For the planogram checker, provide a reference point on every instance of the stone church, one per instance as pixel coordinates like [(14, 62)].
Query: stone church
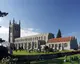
[(28, 42), (37, 42)]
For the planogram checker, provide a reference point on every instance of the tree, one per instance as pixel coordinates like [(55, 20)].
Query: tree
[(46, 48), (1, 40), (50, 49), (3, 52), (59, 34), (2, 14)]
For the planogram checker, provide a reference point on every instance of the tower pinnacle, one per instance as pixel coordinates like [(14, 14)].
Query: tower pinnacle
[(13, 20)]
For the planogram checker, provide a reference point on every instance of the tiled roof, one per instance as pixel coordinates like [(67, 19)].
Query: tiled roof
[(64, 39)]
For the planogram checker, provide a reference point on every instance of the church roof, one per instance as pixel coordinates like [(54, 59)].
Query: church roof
[(35, 35), (64, 39)]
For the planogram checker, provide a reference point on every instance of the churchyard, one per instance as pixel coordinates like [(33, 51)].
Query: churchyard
[(66, 59), (73, 59)]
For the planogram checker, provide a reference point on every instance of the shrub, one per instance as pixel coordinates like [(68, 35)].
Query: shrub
[(46, 48), (75, 49), (3, 52), (50, 50)]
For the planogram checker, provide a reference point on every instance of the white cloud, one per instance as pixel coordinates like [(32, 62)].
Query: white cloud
[(30, 29), (1, 19), (4, 32), (27, 32)]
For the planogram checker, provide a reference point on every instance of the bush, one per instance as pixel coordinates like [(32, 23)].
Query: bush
[(75, 49), (20, 48), (46, 48), (67, 60), (50, 50), (3, 52), (75, 58)]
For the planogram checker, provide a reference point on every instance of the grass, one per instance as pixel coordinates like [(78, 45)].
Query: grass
[(27, 53), (51, 61), (57, 60), (24, 52)]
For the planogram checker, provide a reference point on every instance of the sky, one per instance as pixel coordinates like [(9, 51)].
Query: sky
[(42, 16)]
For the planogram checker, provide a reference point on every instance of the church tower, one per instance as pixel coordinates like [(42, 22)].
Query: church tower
[(14, 31)]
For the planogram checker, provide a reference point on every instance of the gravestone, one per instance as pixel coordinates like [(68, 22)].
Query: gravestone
[(64, 60)]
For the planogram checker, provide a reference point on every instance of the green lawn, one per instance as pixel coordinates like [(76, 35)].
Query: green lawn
[(57, 60), (53, 61), (24, 52), (27, 53)]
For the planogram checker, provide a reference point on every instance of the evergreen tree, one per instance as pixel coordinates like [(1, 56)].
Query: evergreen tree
[(2, 14), (59, 34)]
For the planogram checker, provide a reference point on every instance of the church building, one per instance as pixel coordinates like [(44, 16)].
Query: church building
[(39, 40), (28, 42)]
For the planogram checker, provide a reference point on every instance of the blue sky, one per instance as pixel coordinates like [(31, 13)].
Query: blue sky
[(44, 16)]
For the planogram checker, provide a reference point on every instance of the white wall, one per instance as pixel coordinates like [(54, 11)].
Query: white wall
[(67, 48)]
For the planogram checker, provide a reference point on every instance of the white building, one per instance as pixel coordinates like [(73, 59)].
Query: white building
[(65, 43), (33, 42)]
